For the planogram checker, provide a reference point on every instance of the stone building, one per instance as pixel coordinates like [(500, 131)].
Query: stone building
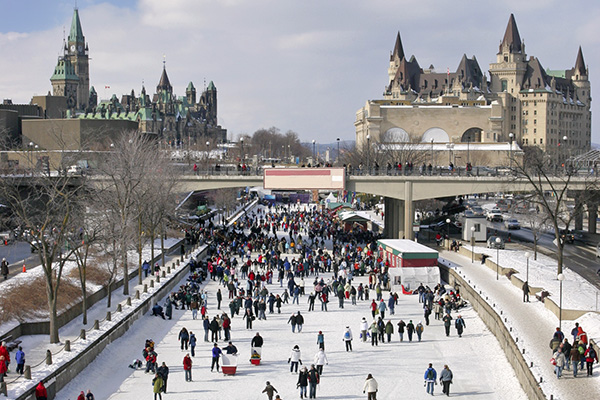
[(521, 103)]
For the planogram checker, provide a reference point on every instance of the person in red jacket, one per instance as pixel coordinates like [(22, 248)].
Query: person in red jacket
[(3, 369), (4, 352), (81, 396), (187, 367), (40, 392)]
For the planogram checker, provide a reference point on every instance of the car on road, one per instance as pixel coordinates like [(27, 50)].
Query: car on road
[(567, 236), (478, 211), (494, 243), (512, 223), (494, 215)]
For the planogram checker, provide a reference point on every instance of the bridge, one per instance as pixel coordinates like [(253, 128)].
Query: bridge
[(400, 191)]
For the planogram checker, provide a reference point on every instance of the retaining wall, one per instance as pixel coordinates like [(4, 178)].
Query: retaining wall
[(67, 372), (494, 323)]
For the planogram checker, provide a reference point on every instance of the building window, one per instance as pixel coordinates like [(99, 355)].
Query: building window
[(504, 85), (541, 141)]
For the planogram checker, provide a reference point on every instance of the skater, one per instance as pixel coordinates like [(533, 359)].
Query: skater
[(559, 362), (302, 382), (389, 330), (320, 360), (348, 339), (257, 340), (299, 321), (187, 367), (321, 340), (525, 292), (419, 330), (230, 349), (295, 358), (184, 338), (382, 307), (293, 321), (401, 326), (193, 344), (430, 378), (575, 358), (313, 379), (410, 329), (157, 384), (270, 390), (364, 327), (4, 268), (374, 333), (214, 330), (370, 387), (460, 325), (163, 372), (89, 395), (447, 318), (216, 353), (446, 380)]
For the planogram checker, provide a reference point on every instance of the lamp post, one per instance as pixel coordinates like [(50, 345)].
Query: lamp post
[(207, 155), (242, 148), (561, 278), (468, 145), (498, 242), (448, 225), (472, 243), (450, 146), (313, 142), (510, 140), (564, 155), (527, 255), (432, 152), (337, 158), (369, 154)]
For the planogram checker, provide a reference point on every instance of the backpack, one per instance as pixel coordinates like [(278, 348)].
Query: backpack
[(347, 335), (430, 374), (581, 349)]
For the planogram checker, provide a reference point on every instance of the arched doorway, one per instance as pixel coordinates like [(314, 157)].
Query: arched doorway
[(437, 135), (396, 135), (471, 135)]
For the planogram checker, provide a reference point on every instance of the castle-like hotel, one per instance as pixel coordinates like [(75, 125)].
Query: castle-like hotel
[(73, 109), (521, 104)]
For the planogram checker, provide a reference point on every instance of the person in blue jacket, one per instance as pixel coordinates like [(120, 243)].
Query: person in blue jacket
[(20, 360), (430, 378), (216, 353)]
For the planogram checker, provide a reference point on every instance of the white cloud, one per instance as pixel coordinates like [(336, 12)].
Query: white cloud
[(300, 65)]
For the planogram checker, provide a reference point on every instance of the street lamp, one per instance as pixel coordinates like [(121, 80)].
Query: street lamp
[(369, 154), (432, 152), (450, 146), (564, 155), (242, 145), (510, 140), (472, 243), (527, 255), (448, 225), (338, 153), (468, 145), (207, 155), (498, 242), (561, 278), (313, 142)]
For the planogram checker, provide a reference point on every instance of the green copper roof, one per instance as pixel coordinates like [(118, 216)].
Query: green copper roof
[(211, 86), (92, 90), (190, 87), (76, 34), (64, 70), (559, 73)]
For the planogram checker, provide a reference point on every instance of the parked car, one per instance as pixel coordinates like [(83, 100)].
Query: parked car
[(512, 223), (478, 211), (492, 243), (567, 236)]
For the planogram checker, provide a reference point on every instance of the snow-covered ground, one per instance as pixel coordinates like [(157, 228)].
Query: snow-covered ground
[(532, 323), (475, 359)]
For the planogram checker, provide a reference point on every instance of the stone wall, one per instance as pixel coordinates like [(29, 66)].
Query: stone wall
[(67, 372)]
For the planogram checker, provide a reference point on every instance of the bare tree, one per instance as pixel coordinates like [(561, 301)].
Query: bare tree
[(81, 241), (125, 172), (46, 208), (550, 191)]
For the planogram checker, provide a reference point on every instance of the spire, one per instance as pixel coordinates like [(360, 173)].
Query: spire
[(398, 49), (164, 83), (511, 37), (580, 64), (76, 34)]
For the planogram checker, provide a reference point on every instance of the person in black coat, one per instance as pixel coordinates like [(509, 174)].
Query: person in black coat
[(299, 321), (257, 341), (214, 330), (184, 338), (163, 372), (302, 382)]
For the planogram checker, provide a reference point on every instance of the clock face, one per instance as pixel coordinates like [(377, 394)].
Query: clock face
[(72, 47)]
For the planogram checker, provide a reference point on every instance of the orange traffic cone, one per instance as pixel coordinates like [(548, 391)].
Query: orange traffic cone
[(24, 268)]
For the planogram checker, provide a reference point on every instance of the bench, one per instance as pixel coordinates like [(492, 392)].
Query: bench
[(10, 343)]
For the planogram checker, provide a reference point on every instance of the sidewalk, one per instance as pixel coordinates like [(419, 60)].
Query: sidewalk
[(531, 323)]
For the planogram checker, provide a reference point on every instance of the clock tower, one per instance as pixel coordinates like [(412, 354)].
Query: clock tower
[(76, 53)]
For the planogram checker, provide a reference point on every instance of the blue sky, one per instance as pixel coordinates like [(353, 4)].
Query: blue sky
[(303, 65)]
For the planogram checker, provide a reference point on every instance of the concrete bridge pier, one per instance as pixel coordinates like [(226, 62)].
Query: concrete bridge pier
[(578, 217), (399, 216), (592, 217)]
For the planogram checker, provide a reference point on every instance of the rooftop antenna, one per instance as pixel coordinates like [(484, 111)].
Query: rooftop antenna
[(205, 84), (164, 61)]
